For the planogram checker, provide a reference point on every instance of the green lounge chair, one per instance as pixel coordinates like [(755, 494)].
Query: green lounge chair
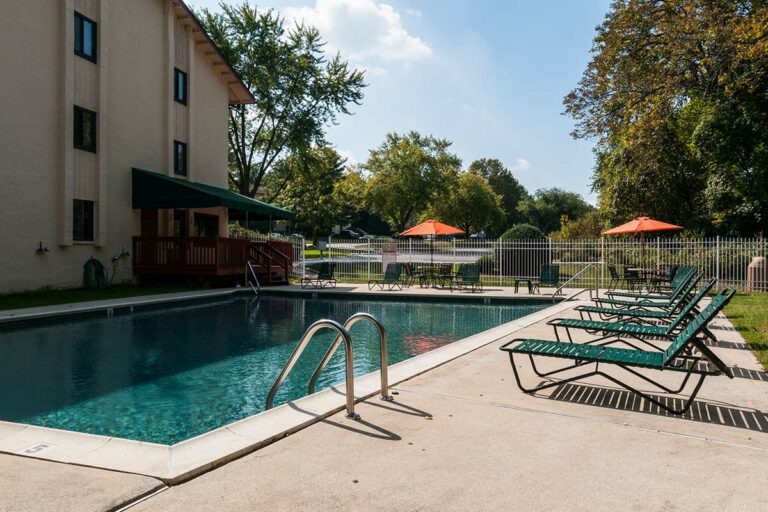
[(678, 357), (640, 309), (391, 278), (549, 275), (668, 304), (468, 277), (325, 277), (637, 331), (682, 276), (445, 274)]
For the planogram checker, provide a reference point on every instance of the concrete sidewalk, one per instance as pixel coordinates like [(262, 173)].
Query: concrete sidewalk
[(463, 437)]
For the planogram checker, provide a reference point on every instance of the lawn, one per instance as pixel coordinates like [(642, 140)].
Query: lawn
[(749, 314), (52, 297)]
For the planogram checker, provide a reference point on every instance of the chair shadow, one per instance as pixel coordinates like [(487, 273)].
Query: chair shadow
[(735, 345), (383, 434), (700, 411), (743, 373)]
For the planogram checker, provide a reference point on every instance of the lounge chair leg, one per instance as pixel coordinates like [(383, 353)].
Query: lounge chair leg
[(543, 386), (648, 397)]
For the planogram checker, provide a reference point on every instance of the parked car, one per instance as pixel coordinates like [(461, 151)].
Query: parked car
[(349, 233)]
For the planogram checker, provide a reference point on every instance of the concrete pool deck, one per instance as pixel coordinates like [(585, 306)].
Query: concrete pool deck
[(463, 437)]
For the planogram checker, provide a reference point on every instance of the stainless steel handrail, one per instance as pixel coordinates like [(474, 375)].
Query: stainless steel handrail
[(335, 345), (577, 274), (249, 268), (349, 369)]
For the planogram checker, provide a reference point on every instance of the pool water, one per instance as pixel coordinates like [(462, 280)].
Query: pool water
[(168, 375)]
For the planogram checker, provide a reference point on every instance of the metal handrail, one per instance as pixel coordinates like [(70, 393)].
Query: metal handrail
[(577, 274), (349, 369), (335, 345), (249, 268)]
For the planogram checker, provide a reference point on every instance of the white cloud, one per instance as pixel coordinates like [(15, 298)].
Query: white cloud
[(365, 32), (349, 155), (521, 164), (413, 12)]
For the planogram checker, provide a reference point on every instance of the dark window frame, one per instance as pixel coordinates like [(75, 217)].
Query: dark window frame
[(180, 165), (80, 35), (87, 218), (201, 219), (77, 130), (176, 97)]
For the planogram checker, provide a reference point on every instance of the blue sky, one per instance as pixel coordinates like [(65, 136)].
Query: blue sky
[(488, 75)]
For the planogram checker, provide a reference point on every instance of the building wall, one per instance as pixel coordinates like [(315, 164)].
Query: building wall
[(131, 89)]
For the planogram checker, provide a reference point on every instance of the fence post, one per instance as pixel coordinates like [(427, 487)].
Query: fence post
[(303, 257), (717, 261), (602, 259), (500, 259), (549, 243)]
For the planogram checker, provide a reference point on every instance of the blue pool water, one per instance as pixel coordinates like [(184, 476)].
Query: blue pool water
[(171, 374)]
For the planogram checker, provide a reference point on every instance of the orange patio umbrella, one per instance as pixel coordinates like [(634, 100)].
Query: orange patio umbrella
[(432, 228), (641, 225)]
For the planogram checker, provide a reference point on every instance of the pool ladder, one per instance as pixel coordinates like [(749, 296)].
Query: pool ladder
[(342, 336)]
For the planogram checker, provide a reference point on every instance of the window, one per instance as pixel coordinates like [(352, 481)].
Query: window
[(179, 86), (85, 37), (85, 129), (179, 158), (82, 221)]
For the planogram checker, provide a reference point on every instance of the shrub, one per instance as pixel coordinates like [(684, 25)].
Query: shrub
[(522, 232), (487, 265)]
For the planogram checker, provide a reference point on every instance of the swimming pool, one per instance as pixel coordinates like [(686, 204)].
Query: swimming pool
[(168, 375)]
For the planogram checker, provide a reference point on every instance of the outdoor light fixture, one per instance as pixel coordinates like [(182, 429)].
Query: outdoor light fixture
[(40, 249)]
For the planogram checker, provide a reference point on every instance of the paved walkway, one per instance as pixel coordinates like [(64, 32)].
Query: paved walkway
[(463, 437)]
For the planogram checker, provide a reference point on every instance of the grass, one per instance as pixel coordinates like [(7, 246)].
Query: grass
[(749, 314), (53, 297)]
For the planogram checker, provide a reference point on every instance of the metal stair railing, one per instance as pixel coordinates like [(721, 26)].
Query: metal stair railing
[(249, 270), (349, 368), (357, 317), (577, 274)]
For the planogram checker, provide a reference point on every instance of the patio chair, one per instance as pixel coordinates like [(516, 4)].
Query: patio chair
[(549, 275), (324, 277), (638, 331), (666, 279), (616, 278), (468, 277), (669, 304), (391, 278), (684, 275), (412, 274), (445, 274), (678, 357)]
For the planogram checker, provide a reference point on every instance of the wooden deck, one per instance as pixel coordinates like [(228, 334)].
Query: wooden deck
[(212, 257)]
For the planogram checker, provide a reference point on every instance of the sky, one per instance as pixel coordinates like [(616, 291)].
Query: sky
[(488, 75)]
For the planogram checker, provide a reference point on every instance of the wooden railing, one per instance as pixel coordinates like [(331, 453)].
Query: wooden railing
[(209, 256), (189, 255)]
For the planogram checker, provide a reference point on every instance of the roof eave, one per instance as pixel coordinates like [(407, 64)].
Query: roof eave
[(239, 94)]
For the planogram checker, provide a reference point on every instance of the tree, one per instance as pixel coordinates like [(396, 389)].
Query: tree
[(676, 96), (503, 182), (522, 232), (316, 192), (590, 225), (298, 90), (548, 207), (470, 205), (406, 174)]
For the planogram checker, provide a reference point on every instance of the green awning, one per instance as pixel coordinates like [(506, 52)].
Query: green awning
[(155, 190)]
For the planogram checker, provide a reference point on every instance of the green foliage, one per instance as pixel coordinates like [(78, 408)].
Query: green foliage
[(238, 231), (298, 89), (522, 232), (471, 204), (676, 95), (590, 225), (548, 207), (408, 172), (313, 184), (502, 182)]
